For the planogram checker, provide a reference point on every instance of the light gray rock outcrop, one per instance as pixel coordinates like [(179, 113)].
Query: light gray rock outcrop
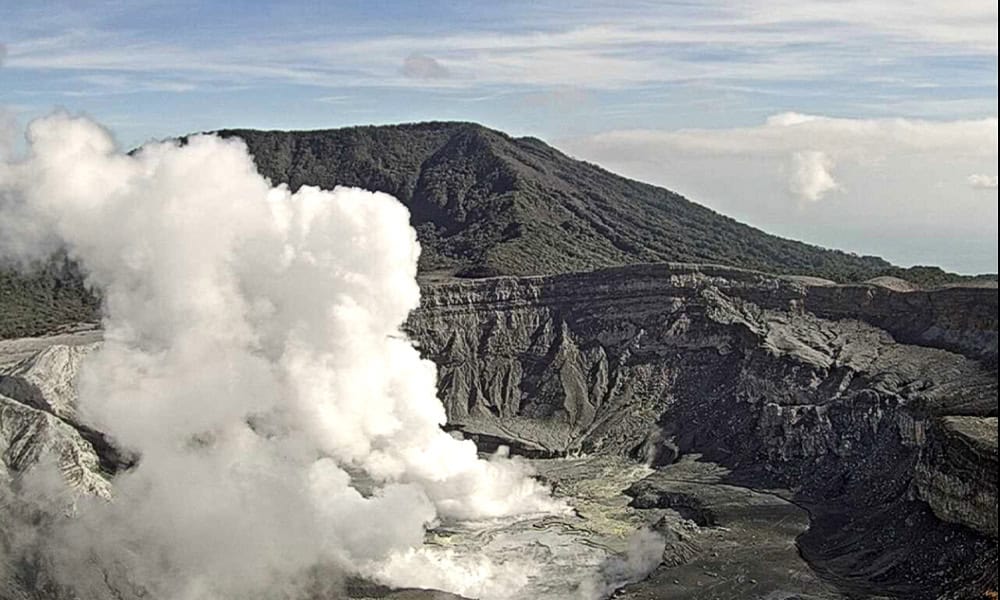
[(47, 379), (31, 438)]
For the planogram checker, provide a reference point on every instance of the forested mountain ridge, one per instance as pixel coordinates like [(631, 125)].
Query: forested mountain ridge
[(486, 204)]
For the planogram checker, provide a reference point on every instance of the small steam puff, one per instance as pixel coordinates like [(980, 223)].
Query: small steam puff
[(253, 356), (643, 553)]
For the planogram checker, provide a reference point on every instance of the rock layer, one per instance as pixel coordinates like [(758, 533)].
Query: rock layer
[(846, 395), (957, 472)]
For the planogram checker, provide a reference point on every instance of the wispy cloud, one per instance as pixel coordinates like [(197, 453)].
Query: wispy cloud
[(599, 48)]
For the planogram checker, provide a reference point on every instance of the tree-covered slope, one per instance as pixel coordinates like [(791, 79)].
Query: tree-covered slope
[(485, 204)]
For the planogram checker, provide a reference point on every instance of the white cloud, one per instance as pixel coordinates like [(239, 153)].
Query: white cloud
[(983, 182), (811, 177), (903, 189), (968, 24), (8, 132), (559, 98), (602, 46)]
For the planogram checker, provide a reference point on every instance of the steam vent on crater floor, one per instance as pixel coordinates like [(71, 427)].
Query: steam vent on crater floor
[(696, 409)]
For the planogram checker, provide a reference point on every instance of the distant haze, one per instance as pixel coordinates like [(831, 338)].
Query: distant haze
[(911, 191)]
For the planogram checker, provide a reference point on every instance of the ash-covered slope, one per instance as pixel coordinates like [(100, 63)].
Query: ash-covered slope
[(485, 203)]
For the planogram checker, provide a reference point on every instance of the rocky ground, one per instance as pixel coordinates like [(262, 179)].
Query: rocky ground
[(742, 544), (873, 408)]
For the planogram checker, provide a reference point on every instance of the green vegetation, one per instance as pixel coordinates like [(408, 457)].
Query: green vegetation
[(43, 298), (486, 204)]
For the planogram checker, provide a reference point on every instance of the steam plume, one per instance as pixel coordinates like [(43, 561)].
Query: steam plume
[(252, 359)]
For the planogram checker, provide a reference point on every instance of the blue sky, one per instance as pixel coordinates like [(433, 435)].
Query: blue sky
[(151, 69)]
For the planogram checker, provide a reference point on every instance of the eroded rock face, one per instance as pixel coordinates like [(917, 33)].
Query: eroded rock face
[(842, 394), (46, 380), (47, 459), (956, 318), (562, 354), (957, 472), (30, 438), (38, 420)]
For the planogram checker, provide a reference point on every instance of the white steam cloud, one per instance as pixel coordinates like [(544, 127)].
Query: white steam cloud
[(643, 553), (253, 360)]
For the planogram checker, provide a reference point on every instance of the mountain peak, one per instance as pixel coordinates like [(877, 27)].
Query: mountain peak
[(485, 203)]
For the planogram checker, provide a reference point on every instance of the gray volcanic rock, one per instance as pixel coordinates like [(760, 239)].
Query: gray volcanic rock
[(959, 318), (46, 380), (740, 542), (957, 472), (38, 424), (41, 445), (30, 438), (357, 589), (789, 383), (557, 357)]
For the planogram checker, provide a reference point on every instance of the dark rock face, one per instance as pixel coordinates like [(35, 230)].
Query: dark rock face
[(959, 319), (800, 386), (957, 472)]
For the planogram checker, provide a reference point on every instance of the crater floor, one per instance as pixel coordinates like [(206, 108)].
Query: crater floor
[(712, 539)]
